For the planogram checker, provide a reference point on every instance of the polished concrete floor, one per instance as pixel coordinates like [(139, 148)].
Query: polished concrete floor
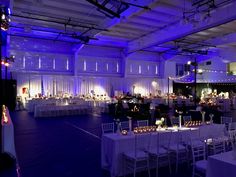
[(64, 146)]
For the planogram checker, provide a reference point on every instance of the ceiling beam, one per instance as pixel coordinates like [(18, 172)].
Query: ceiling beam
[(76, 7), (223, 40), (178, 30), (130, 12), (56, 12)]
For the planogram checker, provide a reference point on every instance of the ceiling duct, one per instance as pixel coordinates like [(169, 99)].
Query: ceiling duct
[(199, 3), (111, 8), (201, 10)]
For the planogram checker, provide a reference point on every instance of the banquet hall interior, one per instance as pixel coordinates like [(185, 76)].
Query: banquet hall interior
[(110, 88)]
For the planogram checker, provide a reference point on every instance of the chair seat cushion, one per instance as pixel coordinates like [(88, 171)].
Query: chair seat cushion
[(139, 154), (197, 143), (201, 165), (175, 147), (160, 151)]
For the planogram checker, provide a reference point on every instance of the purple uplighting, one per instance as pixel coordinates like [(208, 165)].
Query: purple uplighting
[(114, 88)]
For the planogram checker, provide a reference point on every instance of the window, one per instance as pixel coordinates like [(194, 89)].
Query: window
[(139, 69), (24, 62), (96, 66), (54, 63), (85, 66), (67, 64), (107, 66), (156, 71), (117, 67), (39, 62)]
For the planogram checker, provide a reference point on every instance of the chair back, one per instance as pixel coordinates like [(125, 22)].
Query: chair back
[(187, 118), (175, 121), (218, 146), (185, 136), (124, 125), (232, 126), (226, 120), (164, 139), (159, 140), (142, 123), (232, 138), (141, 143), (198, 153), (107, 127)]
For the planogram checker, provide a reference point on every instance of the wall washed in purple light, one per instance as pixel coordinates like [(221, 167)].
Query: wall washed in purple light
[(103, 69), (106, 67)]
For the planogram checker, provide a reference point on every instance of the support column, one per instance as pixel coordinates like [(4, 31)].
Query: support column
[(1, 85), (195, 82)]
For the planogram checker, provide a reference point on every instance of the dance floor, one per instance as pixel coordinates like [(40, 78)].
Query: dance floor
[(64, 146)]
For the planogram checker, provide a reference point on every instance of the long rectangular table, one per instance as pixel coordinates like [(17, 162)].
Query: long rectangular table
[(222, 165), (114, 145)]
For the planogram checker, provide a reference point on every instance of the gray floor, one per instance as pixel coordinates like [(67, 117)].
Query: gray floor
[(66, 146)]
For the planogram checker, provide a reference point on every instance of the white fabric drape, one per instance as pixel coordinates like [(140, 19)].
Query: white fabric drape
[(58, 85)]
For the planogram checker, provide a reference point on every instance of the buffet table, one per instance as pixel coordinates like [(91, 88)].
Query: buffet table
[(221, 165), (8, 142), (114, 145)]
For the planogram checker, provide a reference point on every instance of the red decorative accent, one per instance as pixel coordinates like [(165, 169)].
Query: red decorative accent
[(24, 90)]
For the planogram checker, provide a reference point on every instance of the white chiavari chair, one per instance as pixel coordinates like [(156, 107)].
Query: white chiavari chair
[(159, 150), (175, 121), (216, 146), (142, 123), (177, 148), (232, 138), (199, 161), (124, 125), (187, 118), (107, 127), (136, 159), (226, 120), (232, 126)]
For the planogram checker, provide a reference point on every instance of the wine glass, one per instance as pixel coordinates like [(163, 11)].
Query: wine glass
[(211, 118)]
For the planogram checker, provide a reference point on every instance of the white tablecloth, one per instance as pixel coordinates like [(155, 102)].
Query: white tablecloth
[(56, 111), (222, 165), (113, 145), (8, 136)]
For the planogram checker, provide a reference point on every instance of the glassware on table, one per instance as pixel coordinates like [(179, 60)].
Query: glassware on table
[(117, 125), (130, 123), (211, 118), (203, 117), (180, 119)]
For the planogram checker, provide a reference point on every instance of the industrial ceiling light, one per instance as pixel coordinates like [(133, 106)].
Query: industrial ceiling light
[(201, 10)]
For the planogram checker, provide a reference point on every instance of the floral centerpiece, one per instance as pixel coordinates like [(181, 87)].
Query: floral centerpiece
[(159, 123)]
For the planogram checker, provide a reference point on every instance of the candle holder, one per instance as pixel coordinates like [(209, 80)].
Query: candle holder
[(124, 132), (117, 121), (130, 123), (180, 118), (203, 117), (211, 118)]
